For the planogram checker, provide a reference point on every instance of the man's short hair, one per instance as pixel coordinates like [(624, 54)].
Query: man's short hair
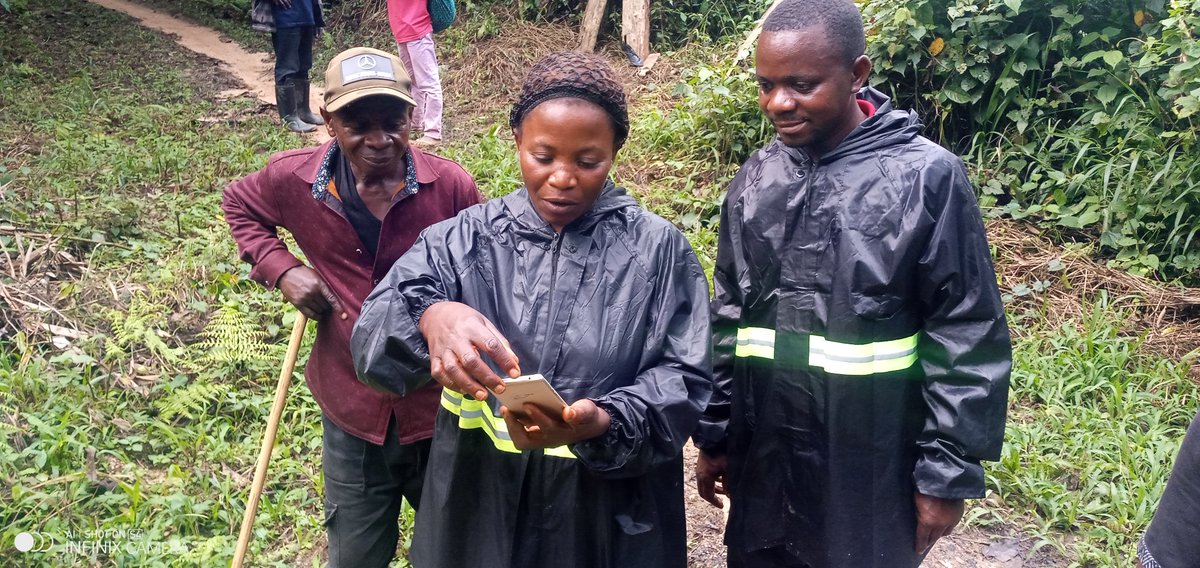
[(840, 18)]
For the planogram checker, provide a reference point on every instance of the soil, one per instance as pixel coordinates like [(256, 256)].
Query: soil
[(972, 547)]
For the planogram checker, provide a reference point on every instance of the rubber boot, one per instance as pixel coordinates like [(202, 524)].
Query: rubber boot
[(303, 111), (285, 99)]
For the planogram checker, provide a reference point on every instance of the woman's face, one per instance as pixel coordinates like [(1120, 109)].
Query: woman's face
[(566, 147)]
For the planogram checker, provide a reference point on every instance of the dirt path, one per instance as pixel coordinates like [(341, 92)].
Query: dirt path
[(254, 69)]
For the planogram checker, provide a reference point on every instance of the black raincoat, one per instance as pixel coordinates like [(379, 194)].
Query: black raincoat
[(860, 346), (615, 309)]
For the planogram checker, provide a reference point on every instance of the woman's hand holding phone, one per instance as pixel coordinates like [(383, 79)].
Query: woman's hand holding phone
[(533, 428), (458, 336)]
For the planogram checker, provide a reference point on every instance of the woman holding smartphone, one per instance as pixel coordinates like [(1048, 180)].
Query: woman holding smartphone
[(569, 278)]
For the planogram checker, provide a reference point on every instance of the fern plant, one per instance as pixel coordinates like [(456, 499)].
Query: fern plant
[(231, 338), (191, 401), (231, 344), (140, 327)]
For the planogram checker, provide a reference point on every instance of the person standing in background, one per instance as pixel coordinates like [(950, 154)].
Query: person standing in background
[(413, 31), (296, 24)]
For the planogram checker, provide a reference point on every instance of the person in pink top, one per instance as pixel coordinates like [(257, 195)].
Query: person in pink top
[(413, 31)]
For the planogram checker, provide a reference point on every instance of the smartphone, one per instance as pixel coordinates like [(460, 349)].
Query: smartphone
[(531, 388)]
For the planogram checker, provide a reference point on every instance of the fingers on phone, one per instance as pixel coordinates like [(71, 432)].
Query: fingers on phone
[(476, 370), (500, 351), (455, 377)]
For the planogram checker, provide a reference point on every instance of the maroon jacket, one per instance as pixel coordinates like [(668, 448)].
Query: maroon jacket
[(291, 192)]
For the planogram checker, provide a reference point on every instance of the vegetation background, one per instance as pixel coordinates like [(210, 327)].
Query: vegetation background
[(137, 358)]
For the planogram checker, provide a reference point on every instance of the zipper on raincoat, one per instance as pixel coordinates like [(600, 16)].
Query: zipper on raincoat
[(554, 248)]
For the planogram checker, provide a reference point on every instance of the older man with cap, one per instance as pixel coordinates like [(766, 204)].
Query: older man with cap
[(354, 205)]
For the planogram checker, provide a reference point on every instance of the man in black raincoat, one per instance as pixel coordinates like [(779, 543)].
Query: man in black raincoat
[(860, 348)]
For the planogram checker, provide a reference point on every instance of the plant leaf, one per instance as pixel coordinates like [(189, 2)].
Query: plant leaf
[(1107, 93)]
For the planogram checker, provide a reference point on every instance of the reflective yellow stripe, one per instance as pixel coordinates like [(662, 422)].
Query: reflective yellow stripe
[(755, 342), (868, 359), (473, 414)]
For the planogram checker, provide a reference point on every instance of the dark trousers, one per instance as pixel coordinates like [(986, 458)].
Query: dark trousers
[(364, 488), (1173, 538), (293, 53)]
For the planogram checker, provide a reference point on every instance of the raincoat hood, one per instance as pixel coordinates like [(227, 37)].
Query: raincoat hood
[(612, 199), (889, 126)]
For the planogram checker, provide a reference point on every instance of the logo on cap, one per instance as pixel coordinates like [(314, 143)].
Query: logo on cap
[(365, 67)]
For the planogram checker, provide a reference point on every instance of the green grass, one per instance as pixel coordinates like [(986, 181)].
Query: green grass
[(110, 140), (151, 422), (1133, 190), (1094, 425)]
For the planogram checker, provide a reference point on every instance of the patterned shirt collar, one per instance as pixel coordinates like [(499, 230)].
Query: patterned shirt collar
[(320, 187)]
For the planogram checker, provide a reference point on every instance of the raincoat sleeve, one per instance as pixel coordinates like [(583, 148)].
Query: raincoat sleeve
[(965, 350), (388, 349), (251, 208), (726, 314), (652, 418)]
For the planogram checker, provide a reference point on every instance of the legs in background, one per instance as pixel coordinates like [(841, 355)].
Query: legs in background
[(293, 59), (420, 59)]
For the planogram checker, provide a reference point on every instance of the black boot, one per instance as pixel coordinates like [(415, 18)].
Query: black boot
[(285, 100), (302, 109)]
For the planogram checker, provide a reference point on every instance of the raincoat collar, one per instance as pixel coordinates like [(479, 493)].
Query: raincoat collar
[(611, 199), (889, 126)]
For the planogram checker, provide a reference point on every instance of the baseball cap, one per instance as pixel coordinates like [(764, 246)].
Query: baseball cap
[(362, 72)]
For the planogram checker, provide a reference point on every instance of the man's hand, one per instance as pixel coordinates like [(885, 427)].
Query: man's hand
[(304, 288), (936, 518), (710, 477), (283, 3), (532, 428), (456, 335)]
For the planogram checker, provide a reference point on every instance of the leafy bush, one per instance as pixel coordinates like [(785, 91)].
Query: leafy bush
[(1139, 193), (972, 65), (715, 117), (1076, 112)]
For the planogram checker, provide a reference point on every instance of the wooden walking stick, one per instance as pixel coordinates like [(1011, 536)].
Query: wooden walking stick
[(268, 443)]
